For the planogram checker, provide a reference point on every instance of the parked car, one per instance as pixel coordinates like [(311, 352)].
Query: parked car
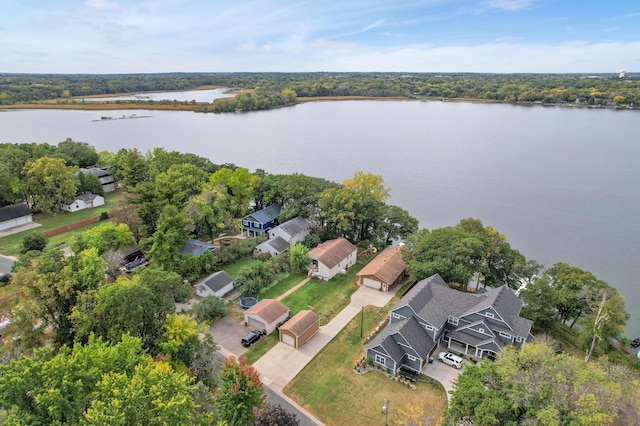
[(251, 337), (450, 359)]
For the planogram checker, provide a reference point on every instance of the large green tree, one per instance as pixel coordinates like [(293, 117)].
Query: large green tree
[(239, 186), (48, 183), (79, 154), (170, 236)]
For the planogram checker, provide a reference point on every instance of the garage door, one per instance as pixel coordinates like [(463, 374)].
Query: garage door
[(289, 340), (252, 322), (371, 283)]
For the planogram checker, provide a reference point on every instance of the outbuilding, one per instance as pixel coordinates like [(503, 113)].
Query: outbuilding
[(266, 315), (217, 284), (299, 329), (15, 215), (385, 271)]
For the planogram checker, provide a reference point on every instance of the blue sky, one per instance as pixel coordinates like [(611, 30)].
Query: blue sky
[(503, 36)]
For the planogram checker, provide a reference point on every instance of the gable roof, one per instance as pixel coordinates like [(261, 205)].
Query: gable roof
[(87, 197), (300, 322), (408, 330), (14, 211), (196, 247), (386, 266), (278, 244), (96, 171), (217, 281), (332, 252), (433, 301), (268, 309), (294, 226), (265, 215)]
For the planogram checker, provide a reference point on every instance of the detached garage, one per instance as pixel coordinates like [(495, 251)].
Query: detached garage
[(266, 315), (15, 215), (299, 329)]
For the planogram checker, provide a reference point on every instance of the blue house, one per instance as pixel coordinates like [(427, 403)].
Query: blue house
[(261, 221)]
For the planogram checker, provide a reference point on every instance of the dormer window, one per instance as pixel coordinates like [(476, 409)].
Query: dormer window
[(452, 320), (489, 315)]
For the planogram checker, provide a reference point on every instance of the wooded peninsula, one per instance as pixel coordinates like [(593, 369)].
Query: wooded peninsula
[(260, 91)]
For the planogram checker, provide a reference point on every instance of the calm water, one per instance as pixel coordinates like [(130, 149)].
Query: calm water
[(184, 96), (561, 183)]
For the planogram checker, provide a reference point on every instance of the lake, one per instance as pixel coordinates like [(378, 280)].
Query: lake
[(207, 95), (561, 183)]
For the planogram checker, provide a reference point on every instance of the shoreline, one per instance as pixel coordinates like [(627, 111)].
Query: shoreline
[(167, 105)]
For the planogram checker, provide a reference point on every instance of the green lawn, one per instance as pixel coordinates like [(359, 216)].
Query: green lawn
[(282, 285), (326, 299), (234, 269), (330, 389), (261, 347), (10, 245)]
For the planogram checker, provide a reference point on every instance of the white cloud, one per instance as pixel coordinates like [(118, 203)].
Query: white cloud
[(102, 4), (373, 25), (510, 5)]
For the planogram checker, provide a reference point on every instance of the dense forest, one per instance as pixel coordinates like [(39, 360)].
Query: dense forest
[(599, 90)]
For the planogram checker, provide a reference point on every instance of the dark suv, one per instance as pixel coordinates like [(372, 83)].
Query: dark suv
[(251, 337)]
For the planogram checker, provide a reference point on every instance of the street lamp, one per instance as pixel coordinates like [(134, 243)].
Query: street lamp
[(385, 410)]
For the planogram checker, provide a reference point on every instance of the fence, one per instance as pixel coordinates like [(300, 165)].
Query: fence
[(65, 228)]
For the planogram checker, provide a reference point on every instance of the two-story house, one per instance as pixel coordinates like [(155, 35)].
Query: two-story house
[(477, 324), (260, 222), (285, 235)]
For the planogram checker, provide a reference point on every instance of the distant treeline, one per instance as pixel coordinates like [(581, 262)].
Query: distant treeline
[(599, 89)]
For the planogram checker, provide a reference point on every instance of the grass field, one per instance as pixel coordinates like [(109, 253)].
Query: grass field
[(329, 388), (10, 245), (324, 298)]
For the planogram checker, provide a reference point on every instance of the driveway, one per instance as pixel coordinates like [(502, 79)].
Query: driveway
[(227, 333), (442, 372), (6, 262), (283, 362)]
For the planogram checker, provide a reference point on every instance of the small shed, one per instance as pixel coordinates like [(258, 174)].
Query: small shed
[(82, 202), (266, 315), (299, 329), (217, 284)]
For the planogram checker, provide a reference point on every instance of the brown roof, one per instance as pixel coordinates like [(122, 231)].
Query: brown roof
[(268, 309), (300, 323), (332, 252), (387, 266)]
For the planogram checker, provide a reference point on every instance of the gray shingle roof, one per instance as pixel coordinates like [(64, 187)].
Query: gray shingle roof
[(87, 197), (278, 244), (294, 226), (196, 248), (217, 281), (265, 215), (411, 332), (14, 211)]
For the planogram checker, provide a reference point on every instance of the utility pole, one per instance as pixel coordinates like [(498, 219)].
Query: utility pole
[(361, 321), (385, 410)]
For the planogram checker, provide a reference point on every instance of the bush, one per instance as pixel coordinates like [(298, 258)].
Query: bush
[(104, 216), (209, 310), (34, 242)]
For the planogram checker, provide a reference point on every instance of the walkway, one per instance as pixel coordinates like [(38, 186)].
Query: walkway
[(6, 263), (292, 289), (283, 362)]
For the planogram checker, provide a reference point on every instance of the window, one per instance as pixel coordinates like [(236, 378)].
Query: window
[(452, 320), (245, 222), (489, 315), (379, 359), (505, 335), (518, 339), (428, 327), (481, 330), (397, 316), (411, 358)]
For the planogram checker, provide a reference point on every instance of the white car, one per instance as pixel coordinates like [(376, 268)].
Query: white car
[(450, 359)]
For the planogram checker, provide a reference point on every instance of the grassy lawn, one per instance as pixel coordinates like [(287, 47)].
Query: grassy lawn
[(261, 347), (282, 285), (330, 389), (10, 245), (326, 299), (234, 269)]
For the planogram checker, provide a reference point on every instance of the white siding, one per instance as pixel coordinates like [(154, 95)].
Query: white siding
[(289, 340), (369, 282)]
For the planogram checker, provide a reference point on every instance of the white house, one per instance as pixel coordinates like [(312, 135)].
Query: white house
[(332, 257), (285, 235), (84, 201), (217, 284), (15, 215)]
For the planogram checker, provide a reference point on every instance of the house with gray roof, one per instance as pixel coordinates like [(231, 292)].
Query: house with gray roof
[(15, 215), (217, 284), (106, 179), (260, 222), (283, 236), (477, 324), (82, 202)]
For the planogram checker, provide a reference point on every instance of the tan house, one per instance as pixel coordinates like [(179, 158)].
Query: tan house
[(385, 271), (266, 315), (332, 257), (299, 329)]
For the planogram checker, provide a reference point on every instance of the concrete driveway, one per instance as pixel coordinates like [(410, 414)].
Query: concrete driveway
[(283, 362), (6, 262), (442, 372), (227, 333)]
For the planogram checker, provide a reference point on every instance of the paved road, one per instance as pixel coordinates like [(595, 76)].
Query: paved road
[(6, 262), (304, 418)]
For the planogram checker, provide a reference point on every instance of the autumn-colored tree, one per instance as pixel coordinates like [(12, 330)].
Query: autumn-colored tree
[(239, 392), (275, 415)]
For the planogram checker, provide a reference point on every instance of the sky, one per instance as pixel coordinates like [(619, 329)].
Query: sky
[(149, 36)]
